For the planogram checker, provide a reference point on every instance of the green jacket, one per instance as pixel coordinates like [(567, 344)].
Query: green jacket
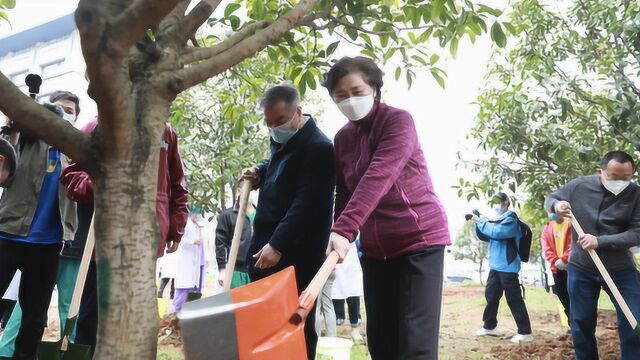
[(22, 190)]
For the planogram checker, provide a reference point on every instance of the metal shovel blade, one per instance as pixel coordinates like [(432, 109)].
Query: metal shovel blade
[(53, 351)]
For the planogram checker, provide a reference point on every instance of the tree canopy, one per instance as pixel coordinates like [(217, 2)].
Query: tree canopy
[(556, 101)]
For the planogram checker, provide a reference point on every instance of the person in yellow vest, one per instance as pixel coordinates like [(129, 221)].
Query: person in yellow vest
[(556, 242)]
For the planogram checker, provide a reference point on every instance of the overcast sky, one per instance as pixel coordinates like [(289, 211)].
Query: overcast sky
[(443, 117)]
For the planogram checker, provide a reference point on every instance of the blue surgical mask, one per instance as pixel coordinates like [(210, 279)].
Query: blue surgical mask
[(499, 210), (70, 118), (554, 217), (283, 133)]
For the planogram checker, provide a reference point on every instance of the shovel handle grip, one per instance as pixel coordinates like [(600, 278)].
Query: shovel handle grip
[(310, 294), (607, 278)]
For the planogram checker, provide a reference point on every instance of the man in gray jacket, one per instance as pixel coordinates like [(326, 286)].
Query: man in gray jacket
[(35, 216), (607, 205)]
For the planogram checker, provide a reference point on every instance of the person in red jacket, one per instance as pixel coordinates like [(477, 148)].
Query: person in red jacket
[(171, 210), (556, 242), (384, 192)]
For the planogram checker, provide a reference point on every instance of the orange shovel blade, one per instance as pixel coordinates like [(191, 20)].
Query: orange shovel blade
[(249, 322)]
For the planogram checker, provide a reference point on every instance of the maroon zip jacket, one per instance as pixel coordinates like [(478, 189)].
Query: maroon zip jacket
[(172, 197), (383, 187)]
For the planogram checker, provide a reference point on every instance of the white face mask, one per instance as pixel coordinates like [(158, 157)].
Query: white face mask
[(356, 107), (615, 186), (70, 118)]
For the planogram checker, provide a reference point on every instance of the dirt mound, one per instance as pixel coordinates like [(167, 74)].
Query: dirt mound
[(169, 333), (548, 346)]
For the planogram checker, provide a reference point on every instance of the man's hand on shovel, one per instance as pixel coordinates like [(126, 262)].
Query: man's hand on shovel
[(588, 242), (563, 208)]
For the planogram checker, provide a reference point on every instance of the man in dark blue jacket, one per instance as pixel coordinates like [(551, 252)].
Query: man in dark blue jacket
[(293, 218)]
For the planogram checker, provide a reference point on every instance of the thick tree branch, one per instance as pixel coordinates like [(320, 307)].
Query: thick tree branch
[(195, 55), (196, 17), (196, 74), (41, 122), (134, 22), (169, 26)]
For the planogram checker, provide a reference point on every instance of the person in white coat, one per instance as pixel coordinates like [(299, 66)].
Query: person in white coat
[(190, 261), (348, 286)]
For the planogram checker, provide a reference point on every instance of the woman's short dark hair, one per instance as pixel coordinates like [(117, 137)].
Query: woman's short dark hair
[(66, 95), (371, 73)]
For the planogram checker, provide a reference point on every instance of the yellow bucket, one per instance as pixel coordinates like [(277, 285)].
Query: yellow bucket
[(162, 307), (333, 348)]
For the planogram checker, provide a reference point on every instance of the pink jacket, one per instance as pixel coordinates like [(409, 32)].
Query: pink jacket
[(549, 246), (383, 188), (172, 196)]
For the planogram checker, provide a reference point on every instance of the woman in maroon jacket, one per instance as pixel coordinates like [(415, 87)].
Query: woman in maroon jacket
[(384, 192)]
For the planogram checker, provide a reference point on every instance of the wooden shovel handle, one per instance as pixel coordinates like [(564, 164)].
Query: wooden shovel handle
[(82, 273), (607, 278), (310, 294), (237, 234)]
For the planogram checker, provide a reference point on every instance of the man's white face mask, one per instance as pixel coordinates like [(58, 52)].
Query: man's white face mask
[(615, 186)]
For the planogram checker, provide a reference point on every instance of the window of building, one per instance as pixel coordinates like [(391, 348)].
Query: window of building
[(18, 77), (51, 68)]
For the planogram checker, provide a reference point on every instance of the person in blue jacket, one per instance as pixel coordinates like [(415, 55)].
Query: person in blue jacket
[(503, 235), (295, 206)]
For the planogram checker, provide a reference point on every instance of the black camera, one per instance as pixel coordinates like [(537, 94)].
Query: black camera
[(473, 212)]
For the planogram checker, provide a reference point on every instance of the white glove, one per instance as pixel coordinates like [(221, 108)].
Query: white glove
[(561, 265)]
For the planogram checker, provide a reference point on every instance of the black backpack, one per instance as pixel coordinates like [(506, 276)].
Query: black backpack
[(524, 250)]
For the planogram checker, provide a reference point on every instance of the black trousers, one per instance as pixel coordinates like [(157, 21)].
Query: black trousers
[(560, 289), (403, 298), (39, 266), (353, 303), (6, 308), (509, 284), (304, 275), (163, 284), (87, 326)]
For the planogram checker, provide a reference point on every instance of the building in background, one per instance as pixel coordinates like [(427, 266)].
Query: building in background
[(51, 50)]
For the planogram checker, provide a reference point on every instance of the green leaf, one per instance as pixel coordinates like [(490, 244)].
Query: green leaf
[(230, 9), (497, 35), (235, 22), (489, 10), (258, 9), (453, 47), (436, 75), (332, 48), (398, 73), (434, 59)]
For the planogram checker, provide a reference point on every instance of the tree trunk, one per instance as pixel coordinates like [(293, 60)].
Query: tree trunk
[(480, 271), (127, 238)]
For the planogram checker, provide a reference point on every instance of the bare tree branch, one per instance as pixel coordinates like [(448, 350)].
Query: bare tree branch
[(134, 22), (43, 123), (196, 17), (206, 53), (185, 78)]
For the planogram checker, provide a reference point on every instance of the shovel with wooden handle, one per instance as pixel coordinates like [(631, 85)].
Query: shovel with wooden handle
[(237, 235), (607, 278), (263, 320), (63, 349)]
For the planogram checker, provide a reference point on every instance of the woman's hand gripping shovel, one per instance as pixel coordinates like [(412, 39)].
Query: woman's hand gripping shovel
[(607, 278), (63, 349)]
